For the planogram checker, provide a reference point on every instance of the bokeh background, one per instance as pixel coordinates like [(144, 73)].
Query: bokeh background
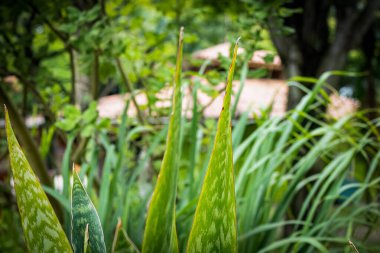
[(89, 82)]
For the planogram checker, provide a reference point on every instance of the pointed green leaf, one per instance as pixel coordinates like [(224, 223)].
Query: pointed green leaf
[(214, 225), (43, 232), (84, 213), (160, 232), (121, 242)]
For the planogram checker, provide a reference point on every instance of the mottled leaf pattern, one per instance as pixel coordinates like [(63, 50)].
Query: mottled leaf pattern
[(214, 225), (121, 242), (43, 232), (160, 233), (83, 212)]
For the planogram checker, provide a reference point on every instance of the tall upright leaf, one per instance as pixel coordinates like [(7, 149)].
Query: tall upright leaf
[(84, 214), (160, 231), (43, 232), (214, 226)]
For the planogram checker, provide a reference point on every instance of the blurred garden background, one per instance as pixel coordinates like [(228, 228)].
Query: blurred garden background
[(89, 83)]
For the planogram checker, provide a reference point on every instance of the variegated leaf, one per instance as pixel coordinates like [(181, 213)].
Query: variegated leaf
[(214, 225), (84, 213), (160, 231), (43, 232)]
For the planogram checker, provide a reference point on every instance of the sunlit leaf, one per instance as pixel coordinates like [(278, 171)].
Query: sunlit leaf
[(83, 213), (121, 242), (214, 225), (43, 232), (160, 232)]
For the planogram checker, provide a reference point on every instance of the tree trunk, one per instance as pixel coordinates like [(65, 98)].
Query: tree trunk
[(309, 51)]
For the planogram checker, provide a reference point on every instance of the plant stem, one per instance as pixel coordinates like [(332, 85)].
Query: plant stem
[(129, 89), (78, 152), (73, 75), (95, 76), (24, 100)]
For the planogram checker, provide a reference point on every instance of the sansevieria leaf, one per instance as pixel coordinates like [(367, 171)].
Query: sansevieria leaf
[(121, 242), (84, 214), (43, 232), (214, 225), (160, 232)]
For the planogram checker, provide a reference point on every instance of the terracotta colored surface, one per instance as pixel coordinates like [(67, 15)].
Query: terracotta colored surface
[(256, 94), (223, 49)]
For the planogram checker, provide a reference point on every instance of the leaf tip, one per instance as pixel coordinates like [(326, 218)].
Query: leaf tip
[(6, 113), (8, 125), (76, 168), (237, 41), (118, 226)]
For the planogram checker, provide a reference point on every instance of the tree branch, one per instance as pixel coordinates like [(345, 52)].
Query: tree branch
[(61, 35), (31, 87), (287, 48), (73, 75), (350, 31), (51, 54), (95, 76), (130, 89)]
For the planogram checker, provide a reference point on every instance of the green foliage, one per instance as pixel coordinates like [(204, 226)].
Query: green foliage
[(304, 182), (121, 241), (85, 220), (214, 227), (10, 224), (333, 165), (273, 164), (160, 231), (282, 159), (46, 139), (86, 123), (42, 230)]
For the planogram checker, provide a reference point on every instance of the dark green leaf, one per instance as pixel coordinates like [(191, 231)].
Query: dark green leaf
[(83, 212)]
